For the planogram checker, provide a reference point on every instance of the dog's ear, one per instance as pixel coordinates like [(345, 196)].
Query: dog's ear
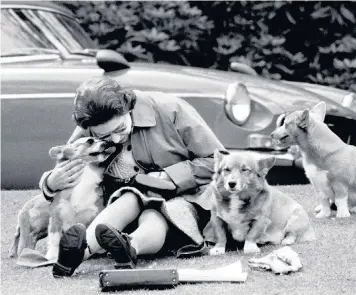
[(303, 120), (319, 111), (266, 164), (68, 152), (61, 152), (56, 151), (218, 156)]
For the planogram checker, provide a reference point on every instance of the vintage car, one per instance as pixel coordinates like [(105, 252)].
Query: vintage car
[(45, 55)]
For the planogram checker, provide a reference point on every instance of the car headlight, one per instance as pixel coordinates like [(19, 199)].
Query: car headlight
[(237, 103), (348, 99)]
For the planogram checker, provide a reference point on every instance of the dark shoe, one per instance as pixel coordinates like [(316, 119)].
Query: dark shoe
[(71, 251), (117, 244)]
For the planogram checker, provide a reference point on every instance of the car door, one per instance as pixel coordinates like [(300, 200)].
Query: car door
[(37, 92)]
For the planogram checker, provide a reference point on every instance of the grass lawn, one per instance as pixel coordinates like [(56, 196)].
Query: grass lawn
[(329, 264)]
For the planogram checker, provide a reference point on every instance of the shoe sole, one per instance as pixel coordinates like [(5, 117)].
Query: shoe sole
[(112, 232), (67, 241)]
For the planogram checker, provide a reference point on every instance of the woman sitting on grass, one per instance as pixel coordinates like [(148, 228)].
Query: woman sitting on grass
[(159, 135)]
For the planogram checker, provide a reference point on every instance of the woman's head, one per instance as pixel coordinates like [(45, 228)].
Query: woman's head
[(103, 106), (99, 100)]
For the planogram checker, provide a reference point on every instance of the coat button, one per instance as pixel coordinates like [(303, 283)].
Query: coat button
[(136, 169), (129, 147)]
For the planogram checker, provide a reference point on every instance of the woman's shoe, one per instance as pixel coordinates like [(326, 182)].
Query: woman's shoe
[(117, 244), (71, 251)]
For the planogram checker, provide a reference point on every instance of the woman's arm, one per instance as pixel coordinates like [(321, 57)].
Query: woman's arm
[(65, 174), (201, 143)]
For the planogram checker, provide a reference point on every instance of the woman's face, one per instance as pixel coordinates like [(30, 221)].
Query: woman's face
[(117, 129)]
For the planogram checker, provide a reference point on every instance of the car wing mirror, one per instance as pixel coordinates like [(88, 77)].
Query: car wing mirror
[(110, 60)]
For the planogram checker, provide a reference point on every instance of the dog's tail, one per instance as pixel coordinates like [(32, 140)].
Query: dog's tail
[(15, 242), (23, 237)]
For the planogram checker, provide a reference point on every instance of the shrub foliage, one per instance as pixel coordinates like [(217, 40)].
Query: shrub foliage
[(299, 41)]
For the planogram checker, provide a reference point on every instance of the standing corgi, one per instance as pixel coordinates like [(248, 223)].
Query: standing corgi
[(329, 163)]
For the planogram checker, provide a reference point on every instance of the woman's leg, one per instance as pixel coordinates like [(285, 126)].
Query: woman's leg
[(151, 233), (118, 214)]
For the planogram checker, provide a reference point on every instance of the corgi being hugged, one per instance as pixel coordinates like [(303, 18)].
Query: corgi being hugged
[(329, 163), (80, 204), (253, 211)]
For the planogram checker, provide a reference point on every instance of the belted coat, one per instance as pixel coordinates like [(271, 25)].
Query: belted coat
[(169, 134)]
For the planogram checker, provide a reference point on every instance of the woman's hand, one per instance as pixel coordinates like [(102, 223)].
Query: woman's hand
[(65, 175), (161, 174)]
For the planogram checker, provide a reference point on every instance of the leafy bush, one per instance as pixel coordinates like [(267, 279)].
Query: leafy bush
[(301, 41)]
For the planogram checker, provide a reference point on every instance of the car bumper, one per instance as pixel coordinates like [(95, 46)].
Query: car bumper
[(283, 159)]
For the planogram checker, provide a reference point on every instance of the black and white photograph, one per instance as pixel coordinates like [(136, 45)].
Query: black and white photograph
[(178, 147)]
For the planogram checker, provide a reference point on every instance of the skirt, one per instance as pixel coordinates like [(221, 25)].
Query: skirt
[(186, 222)]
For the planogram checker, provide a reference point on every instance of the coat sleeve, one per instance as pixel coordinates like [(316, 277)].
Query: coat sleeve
[(77, 133), (200, 142)]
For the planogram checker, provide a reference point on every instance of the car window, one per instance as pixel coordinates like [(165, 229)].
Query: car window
[(24, 29), (63, 30), (18, 32), (59, 30), (77, 31)]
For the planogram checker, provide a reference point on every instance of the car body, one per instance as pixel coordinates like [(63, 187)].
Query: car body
[(340, 96), (47, 55)]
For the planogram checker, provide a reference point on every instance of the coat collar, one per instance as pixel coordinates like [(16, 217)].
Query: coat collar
[(143, 114)]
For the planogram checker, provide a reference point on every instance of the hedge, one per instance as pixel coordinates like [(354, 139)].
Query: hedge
[(310, 41)]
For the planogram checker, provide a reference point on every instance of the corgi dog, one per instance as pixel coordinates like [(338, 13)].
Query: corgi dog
[(80, 204), (32, 225), (253, 211), (327, 160)]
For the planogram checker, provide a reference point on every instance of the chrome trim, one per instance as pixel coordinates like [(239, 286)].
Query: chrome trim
[(33, 57), (34, 7), (199, 95), (25, 70), (348, 99), (37, 95), (71, 95), (282, 159)]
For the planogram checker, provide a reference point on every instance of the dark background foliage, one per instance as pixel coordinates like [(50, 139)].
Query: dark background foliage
[(298, 41)]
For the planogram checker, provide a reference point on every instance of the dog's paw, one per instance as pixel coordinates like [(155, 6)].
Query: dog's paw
[(323, 214), (251, 248), (318, 208), (217, 251), (342, 213)]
